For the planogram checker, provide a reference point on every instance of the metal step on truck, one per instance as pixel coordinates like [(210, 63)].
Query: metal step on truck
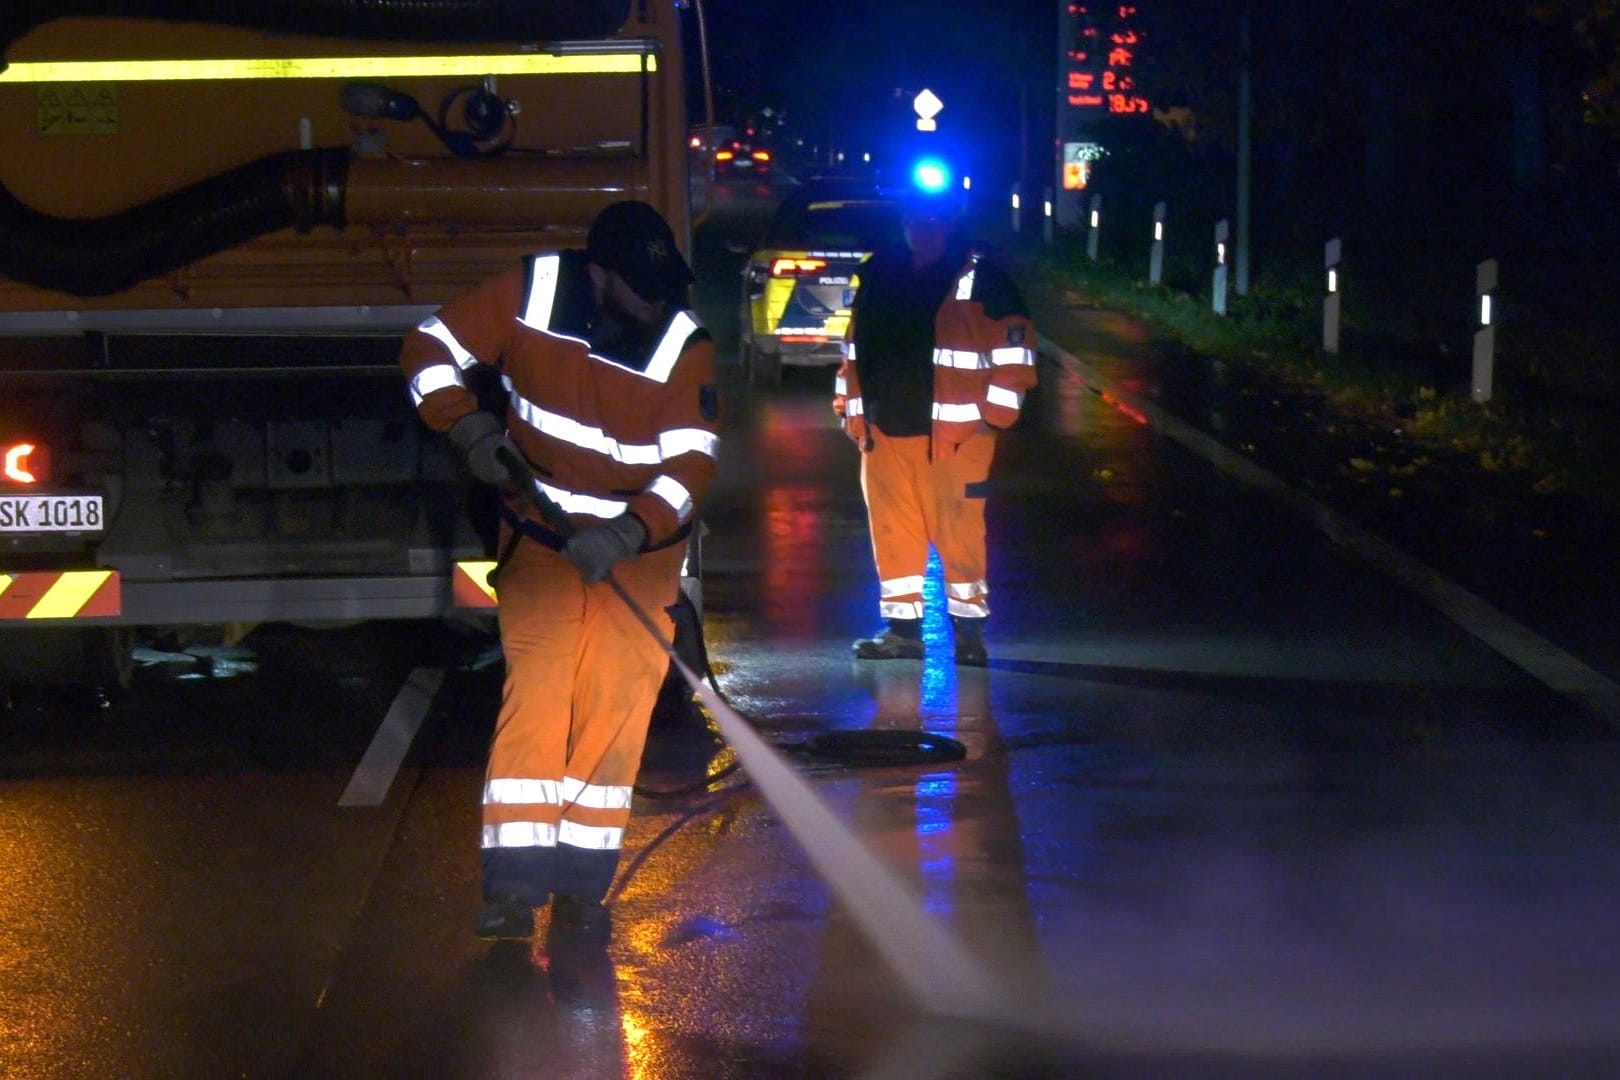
[(216, 224)]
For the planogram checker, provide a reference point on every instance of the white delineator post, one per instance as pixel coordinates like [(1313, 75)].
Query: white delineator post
[(1017, 206), (1156, 252), (1093, 227), (1047, 225), (1485, 336), (1223, 232), (1331, 308)]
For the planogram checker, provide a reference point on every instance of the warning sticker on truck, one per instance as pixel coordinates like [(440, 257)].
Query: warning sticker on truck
[(77, 109), (64, 594)]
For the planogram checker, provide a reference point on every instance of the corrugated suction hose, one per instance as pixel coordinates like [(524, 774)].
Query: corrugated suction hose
[(301, 189), (100, 256)]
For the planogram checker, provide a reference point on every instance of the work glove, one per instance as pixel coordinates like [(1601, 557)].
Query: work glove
[(481, 438), (595, 550)]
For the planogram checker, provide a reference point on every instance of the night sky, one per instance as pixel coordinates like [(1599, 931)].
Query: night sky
[(1380, 92), (836, 67)]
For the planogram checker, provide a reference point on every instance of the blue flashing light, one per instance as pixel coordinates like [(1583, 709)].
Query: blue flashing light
[(931, 176)]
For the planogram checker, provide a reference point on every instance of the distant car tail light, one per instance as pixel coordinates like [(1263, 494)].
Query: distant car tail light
[(796, 267), (723, 155), (762, 155), (25, 463)]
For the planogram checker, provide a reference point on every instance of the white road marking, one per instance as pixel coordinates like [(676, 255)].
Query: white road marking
[(1543, 660), (375, 774)]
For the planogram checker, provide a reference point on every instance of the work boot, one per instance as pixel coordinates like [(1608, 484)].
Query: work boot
[(581, 919), (504, 919), (901, 640), (970, 650)]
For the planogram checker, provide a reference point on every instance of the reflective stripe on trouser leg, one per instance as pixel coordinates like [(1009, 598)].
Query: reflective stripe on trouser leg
[(894, 480), (955, 516), (582, 678)]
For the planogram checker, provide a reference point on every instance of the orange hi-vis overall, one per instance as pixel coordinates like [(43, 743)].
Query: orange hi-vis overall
[(930, 489), (604, 435)]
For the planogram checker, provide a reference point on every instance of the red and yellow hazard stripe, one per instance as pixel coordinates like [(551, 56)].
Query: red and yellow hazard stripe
[(469, 584), (60, 594)]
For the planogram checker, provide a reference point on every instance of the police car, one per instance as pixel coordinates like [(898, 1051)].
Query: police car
[(798, 283)]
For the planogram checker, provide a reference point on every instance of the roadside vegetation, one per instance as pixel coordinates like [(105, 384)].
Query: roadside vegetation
[(1405, 362), (1425, 137)]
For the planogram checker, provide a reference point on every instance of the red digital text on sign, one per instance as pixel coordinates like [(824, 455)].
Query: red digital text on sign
[(1101, 59)]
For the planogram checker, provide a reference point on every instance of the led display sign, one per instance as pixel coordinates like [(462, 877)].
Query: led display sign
[(1100, 56)]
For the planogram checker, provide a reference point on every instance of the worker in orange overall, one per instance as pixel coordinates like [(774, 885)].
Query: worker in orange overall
[(611, 408), (938, 356)]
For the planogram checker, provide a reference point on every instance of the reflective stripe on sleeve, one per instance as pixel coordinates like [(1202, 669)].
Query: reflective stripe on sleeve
[(840, 386), (434, 377), (1012, 354), (572, 502), (674, 493), (958, 358), (672, 444), (596, 796), (1007, 399), (854, 407), (434, 328), (957, 414)]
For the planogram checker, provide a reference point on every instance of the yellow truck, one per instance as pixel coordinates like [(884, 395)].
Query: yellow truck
[(216, 222)]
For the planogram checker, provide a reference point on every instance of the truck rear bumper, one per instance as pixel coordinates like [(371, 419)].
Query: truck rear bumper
[(318, 599)]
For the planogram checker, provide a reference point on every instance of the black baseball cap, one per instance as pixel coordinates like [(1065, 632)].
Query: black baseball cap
[(633, 240)]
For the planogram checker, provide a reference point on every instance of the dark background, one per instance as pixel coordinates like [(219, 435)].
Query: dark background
[(1427, 134)]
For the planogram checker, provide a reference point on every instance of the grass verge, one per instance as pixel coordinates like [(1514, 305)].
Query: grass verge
[(1532, 438)]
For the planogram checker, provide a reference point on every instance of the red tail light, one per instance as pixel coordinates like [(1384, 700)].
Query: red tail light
[(25, 463), (796, 267)]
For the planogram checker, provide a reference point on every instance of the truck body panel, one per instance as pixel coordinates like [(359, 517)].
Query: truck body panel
[(212, 239)]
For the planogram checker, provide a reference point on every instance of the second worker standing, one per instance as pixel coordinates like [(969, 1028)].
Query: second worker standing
[(939, 354)]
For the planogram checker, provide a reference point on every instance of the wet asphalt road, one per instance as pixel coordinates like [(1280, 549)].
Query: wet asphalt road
[(1234, 804)]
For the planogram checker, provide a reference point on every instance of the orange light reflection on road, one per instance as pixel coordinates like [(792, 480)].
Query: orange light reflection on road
[(1122, 407), (792, 531)]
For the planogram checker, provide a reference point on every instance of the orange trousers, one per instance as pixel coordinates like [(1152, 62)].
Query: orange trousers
[(582, 676), (913, 502)]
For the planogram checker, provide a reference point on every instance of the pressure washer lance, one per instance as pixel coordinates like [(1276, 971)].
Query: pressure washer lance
[(943, 977), (522, 481)]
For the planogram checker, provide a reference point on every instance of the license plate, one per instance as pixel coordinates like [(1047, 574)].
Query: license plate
[(51, 514)]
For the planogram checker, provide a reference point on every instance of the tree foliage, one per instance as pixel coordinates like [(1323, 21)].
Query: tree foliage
[(1595, 24)]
